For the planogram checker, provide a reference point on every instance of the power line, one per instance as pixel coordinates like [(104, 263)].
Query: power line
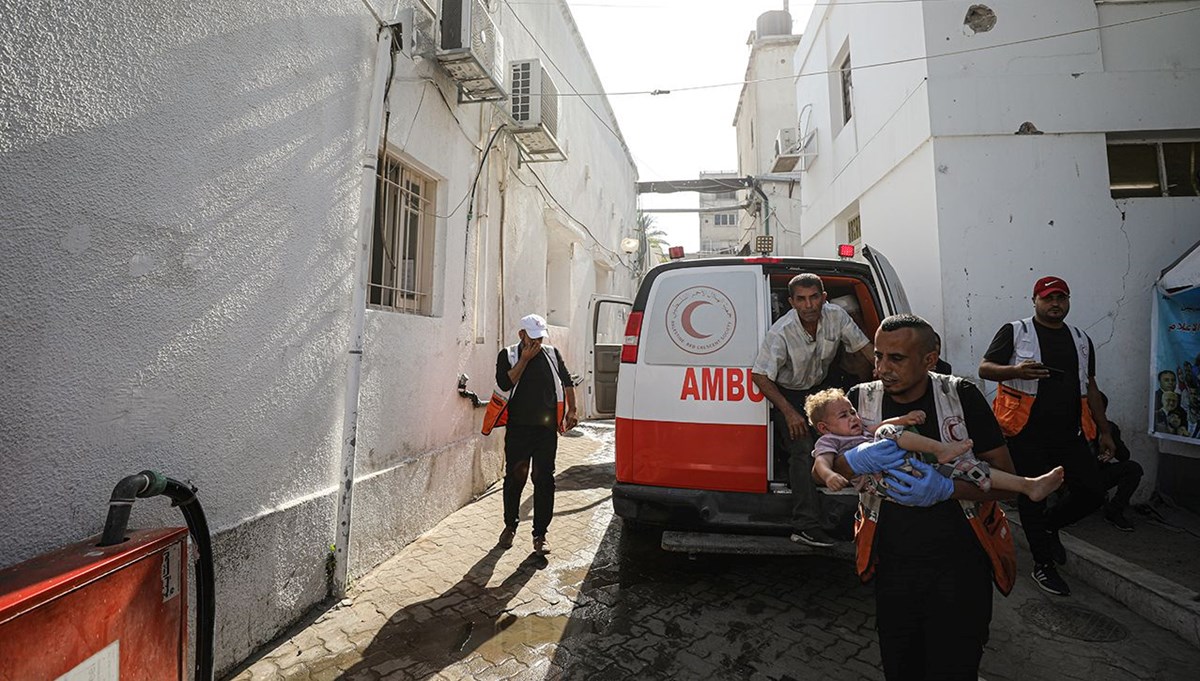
[(908, 60)]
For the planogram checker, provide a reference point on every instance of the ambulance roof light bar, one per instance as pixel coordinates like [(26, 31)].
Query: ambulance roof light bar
[(846, 251)]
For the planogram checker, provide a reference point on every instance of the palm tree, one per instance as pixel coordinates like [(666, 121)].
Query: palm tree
[(649, 238)]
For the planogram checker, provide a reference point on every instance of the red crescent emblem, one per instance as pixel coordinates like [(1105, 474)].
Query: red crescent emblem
[(686, 320)]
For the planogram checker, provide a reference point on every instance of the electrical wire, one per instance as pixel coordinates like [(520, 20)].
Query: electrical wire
[(471, 209), (908, 60), (546, 193)]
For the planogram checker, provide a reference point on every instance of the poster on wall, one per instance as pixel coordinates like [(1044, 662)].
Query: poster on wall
[(1175, 357)]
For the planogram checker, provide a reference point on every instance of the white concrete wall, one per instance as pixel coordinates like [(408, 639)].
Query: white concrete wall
[(1137, 77), (890, 121), (182, 190)]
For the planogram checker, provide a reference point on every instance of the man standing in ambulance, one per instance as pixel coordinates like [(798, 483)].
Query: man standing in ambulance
[(794, 362), (1049, 406)]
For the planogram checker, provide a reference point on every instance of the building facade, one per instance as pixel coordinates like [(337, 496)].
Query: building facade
[(187, 219), (766, 122), (980, 147), (720, 215)]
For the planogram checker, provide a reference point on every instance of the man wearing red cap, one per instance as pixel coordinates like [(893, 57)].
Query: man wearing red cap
[(1048, 406)]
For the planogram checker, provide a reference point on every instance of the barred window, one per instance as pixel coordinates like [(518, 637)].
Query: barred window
[(854, 230), (847, 89), (402, 247)]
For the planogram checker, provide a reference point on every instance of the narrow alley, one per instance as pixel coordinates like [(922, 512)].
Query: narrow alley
[(607, 604)]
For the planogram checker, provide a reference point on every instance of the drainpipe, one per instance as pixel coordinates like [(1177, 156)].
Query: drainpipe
[(358, 310)]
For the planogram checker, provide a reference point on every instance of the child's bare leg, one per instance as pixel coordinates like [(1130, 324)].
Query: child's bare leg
[(944, 451), (1036, 489)]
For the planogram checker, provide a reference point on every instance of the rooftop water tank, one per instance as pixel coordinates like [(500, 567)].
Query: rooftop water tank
[(775, 22)]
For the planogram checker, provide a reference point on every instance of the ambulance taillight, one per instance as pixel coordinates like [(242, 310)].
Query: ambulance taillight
[(633, 330)]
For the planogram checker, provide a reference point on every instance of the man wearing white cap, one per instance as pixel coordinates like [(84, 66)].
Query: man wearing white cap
[(540, 406)]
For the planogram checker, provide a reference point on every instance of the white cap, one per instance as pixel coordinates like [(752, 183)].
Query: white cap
[(534, 326)]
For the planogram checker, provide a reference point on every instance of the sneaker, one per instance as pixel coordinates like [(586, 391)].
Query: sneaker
[(1057, 551), (1118, 519), (1048, 580), (506, 538), (813, 536), (541, 545)]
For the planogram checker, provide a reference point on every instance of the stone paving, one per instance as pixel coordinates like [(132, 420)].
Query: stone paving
[(610, 604)]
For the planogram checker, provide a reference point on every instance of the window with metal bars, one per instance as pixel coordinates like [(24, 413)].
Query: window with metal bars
[(854, 229), (847, 90), (402, 246)]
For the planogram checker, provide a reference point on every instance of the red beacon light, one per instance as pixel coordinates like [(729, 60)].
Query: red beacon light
[(846, 251), (675, 252)]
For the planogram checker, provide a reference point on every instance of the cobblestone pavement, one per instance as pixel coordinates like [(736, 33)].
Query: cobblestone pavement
[(610, 604)]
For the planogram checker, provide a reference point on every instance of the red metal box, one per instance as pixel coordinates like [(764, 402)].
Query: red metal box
[(98, 613)]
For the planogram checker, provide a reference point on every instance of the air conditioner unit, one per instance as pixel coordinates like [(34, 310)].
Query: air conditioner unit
[(785, 141), (472, 51), (417, 30), (785, 151), (794, 152), (533, 106)]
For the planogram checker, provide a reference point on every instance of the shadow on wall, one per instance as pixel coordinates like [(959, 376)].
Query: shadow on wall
[(182, 262)]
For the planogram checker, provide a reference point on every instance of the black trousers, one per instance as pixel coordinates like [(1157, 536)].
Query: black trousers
[(807, 510), (1084, 491), (1125, 476), (933, 616), (524, 445)]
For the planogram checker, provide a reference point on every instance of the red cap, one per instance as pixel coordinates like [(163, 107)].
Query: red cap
[(1047, 285)]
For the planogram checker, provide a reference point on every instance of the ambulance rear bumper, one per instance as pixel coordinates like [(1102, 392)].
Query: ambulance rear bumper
[(677, 508)]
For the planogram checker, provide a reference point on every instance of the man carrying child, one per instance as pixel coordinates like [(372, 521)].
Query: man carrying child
[(934, 554)]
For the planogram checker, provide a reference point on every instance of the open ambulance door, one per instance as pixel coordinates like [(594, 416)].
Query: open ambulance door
[(606, 332), (889, 282)]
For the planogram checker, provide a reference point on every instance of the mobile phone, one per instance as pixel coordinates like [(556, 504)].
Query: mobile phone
[(1053, 371)]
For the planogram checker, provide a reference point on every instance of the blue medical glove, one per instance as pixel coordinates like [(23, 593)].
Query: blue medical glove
[(875, 457), (929, 489)]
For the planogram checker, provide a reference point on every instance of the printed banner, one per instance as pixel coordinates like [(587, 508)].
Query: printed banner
[(1175, 404)]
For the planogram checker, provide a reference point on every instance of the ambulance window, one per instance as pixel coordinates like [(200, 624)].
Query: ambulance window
[(704, 316), (610, 323)]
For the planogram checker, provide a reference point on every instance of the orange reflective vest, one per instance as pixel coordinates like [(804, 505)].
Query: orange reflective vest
[(986, 518), (1014, 398), (496, 415)]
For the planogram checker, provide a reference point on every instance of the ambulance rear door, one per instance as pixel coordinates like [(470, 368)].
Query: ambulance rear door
[(696, 419), (888, 281), (606, 331)]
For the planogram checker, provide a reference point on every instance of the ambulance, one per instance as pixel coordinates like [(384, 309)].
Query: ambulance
[(694, 443)]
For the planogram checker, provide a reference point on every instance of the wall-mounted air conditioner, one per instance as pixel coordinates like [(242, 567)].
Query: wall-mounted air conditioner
[(794, 152), (533, 106), (785, 151), (472, 51)]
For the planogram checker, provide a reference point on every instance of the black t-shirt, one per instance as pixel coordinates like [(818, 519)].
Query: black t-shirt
[(940, 532), (535, 402), (1056, 412)]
